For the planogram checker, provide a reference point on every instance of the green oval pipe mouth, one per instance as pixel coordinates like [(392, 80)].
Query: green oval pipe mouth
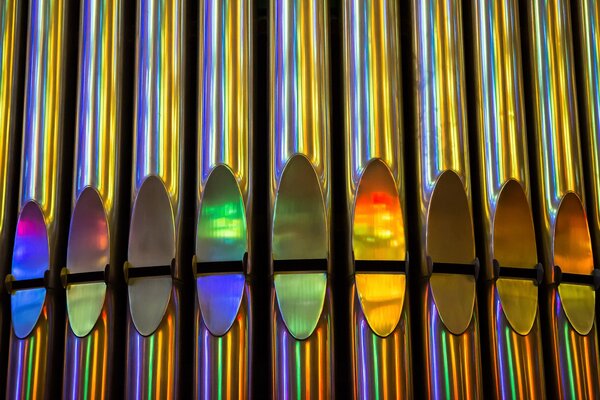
[(300, 233), (449, 239), (572, 251), (151, 242), (514, 245), (221, 235), (88, 250)]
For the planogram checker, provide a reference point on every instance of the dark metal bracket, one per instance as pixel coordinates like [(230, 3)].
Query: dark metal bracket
[(535, 274), (132, 272), (220, 267), (12, 284), (67, 278), (301, 265), (563, 277), (453, 268)]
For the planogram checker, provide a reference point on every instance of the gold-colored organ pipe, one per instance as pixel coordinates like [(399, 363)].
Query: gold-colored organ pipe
[(222, 230), (98, 181), (563, 228), (449, 319), (375, 197), (156, 227), (11, 63), (514, 341), (39, 242), (300, 198)]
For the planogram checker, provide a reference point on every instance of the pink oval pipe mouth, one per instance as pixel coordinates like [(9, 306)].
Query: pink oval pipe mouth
[(31, 259)]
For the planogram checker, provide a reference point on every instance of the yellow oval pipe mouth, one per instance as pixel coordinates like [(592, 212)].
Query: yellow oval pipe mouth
[(514, 245), (88, 250), (572, 250), (449, 239), (151, 242)]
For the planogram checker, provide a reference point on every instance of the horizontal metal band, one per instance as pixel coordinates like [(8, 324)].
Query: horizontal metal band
[(301, 265), (454, 268), (536, 274), (380, 266), (68, 278), (562, 277), (13, 285), (148, 271), (221, 267)]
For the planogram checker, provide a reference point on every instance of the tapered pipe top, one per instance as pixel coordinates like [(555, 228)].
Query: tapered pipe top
[(508, 230), (563, 224), (225, 89), (37, 241), (225, 131), (299, 102), (442, 157), (98, 154), (10, 63), (589, 73), (158, 149)]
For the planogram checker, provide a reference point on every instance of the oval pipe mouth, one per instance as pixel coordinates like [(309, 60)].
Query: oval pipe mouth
[(300, 238), (88, 251), (31, 259), (450, 240), (513, 244), (151, 243), (572, 252), (221, 237), (378, 235)]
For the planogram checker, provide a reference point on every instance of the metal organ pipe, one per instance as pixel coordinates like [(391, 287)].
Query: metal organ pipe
[(154, 267), (564, 235), (300, 198), (222, 334), (375, 199), (39, 248), (449, 319), (93, 345)]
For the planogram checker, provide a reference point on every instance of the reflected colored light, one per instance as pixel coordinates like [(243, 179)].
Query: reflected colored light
[(219, 297), (26, 377), (221, 362), (221, 233), (225, 99), (300, 84), (300, 298), (382, 298), (302, 365)]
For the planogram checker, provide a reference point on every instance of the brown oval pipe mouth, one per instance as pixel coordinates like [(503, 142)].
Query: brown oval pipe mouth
[(572, 251), (450, 240), (514, 246), (151, 243)]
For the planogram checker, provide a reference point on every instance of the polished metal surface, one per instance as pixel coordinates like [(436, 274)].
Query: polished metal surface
[(562, 223), (449, 314), (375, 198), (514, 342), (299, 103), (158, 148)]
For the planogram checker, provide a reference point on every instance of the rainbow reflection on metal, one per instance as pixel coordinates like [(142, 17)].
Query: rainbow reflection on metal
[(37, 245), (12, 38), (449, 320), (565, 238), (98, 152), (375, 198), (154, 319), (225, 128), (514, 341), (300, 198)]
